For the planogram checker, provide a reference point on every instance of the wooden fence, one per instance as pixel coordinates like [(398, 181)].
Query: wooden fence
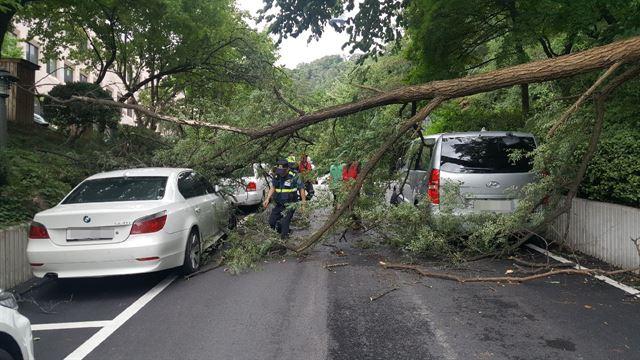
[(14, 266)]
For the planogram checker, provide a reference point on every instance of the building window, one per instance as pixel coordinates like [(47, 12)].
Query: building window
[(68, 74), (129, 112), (32, 53), (52, 67), (83, 78)]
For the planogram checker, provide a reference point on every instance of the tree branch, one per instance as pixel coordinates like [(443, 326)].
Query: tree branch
[(355, 190), (154, 115), (571, 110), (279, 96), (507, 279)]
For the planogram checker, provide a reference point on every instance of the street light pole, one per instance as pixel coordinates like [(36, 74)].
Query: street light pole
[(6, 79)]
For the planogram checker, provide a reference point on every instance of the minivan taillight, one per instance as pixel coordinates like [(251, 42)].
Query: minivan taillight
[(252, 186), (149, 224), (38, 231), (433, 187)]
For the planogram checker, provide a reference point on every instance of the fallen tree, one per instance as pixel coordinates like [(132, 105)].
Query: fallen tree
[(611, 57), (622, 52)]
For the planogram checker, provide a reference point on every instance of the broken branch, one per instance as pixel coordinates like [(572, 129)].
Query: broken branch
[(571, 110), (509, 279), (376, 297)]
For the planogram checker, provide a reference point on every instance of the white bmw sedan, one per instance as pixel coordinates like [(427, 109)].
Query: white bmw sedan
[(16, 341), (128, 222)]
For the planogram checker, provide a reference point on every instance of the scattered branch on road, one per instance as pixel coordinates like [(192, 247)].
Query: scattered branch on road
[(376, 297), (331, 266), (507, 279)]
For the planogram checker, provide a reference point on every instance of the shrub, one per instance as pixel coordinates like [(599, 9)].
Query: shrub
[(614, 173), (77, 114)]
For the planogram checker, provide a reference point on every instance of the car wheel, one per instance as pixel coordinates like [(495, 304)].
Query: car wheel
[(192, 253), (5, 355)]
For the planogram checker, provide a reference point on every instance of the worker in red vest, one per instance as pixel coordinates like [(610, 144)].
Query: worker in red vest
[(351, 170)]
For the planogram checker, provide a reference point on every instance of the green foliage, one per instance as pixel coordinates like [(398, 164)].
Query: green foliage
[(180, 41), (475, 115), (78, 113), (450, 38), (34, 180), (614, 173), (248, 244), (10, 48), (370, 28)]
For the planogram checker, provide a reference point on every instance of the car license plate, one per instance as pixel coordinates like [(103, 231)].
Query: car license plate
[(493, 205), (91, 234)]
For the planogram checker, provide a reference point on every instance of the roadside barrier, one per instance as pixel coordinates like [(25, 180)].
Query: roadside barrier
[(14, 266), (602, 230)]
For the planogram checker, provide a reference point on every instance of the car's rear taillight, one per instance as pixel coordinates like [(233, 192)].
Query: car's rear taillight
[(251, 186), (38, 231), (149, 224), (433, 186)]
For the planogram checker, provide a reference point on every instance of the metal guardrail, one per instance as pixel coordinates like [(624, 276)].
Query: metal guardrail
[(14, 266), (601, 230)]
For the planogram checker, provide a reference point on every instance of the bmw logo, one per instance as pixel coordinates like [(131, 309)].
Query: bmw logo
[(86, 219)]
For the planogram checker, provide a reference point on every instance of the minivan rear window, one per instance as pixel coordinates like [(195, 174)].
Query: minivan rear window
[(118, 189), (485, 154)]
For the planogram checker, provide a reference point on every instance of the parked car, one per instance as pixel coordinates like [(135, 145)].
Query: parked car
[(479, 162), (252, 187), (16, 340), (128, 222)]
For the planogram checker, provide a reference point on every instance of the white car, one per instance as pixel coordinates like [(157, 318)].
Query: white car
[(252, 187), (16, 341), (128, 222)]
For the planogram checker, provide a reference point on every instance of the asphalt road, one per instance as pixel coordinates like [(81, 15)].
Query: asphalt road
[(287, 309)]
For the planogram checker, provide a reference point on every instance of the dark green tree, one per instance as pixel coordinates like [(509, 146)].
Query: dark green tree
[(76, 117)]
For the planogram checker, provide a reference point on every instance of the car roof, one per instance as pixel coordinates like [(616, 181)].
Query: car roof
[(158, 171), (486, 133)]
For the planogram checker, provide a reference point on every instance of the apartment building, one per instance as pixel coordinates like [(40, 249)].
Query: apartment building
[(53, 72)]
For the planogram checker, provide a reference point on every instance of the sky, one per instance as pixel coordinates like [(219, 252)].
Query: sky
[(294, 51)]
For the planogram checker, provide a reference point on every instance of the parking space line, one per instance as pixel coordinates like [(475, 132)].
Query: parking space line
[(70, 325), (102, 334), (626, 288)]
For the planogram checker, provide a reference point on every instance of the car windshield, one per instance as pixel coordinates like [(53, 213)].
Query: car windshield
[(118, 189), (486, 154)]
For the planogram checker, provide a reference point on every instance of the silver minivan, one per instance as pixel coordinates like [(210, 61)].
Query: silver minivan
[(480, 165)]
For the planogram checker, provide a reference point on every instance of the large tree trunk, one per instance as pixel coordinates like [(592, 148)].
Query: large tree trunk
[(624, 51)]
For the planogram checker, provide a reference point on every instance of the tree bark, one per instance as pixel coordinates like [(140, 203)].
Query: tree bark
[(625, 51)]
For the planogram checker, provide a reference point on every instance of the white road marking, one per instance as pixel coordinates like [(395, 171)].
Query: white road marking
[(626, 288), (97, 338), (70, 325)]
